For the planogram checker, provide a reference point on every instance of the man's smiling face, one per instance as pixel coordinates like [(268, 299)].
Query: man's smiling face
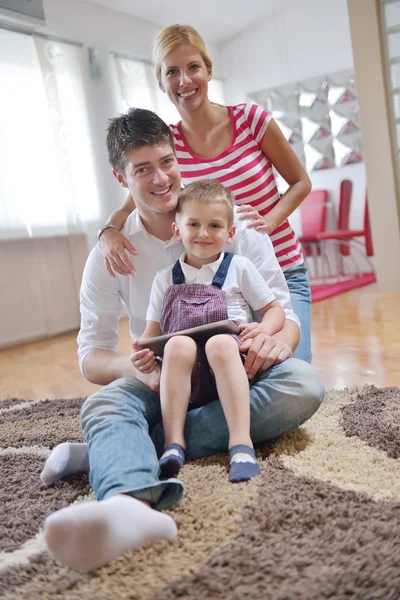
[(153, 178)]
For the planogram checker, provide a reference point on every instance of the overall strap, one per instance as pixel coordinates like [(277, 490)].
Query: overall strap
[(219, 278), (222, 272), (177, 273)]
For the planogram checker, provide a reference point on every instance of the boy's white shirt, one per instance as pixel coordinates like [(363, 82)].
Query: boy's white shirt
[(246, 290), (102, 297)]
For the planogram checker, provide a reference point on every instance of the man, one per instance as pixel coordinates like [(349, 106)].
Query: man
[(122, 421)]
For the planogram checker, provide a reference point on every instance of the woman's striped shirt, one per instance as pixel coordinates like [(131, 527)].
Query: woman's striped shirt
[(245, 170)]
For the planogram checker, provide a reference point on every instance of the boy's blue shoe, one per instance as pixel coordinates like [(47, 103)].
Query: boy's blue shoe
[(172, 461), (243, 463)]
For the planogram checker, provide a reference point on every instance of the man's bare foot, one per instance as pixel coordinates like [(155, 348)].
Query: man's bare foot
[(151, 380)]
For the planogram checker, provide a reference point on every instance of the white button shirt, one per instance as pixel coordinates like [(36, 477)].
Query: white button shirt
[(246, 290), (102, 297)]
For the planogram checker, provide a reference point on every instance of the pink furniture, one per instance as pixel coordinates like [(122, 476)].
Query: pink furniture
[(313, 219), (343, 235)]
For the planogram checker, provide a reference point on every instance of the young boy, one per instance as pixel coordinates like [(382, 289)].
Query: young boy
[(204, 286)]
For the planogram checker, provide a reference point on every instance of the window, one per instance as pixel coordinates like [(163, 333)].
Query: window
[(48, 184)]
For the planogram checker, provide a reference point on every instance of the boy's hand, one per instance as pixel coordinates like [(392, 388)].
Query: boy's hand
[(142, 359), (250, 330)]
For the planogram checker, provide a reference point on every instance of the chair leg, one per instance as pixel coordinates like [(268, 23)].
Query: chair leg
[(325, 258), (314, 253)]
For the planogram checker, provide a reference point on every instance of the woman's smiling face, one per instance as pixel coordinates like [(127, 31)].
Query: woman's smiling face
[(185, 77)]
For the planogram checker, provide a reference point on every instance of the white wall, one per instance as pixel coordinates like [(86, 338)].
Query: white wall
[(89, 23), (298, 40)]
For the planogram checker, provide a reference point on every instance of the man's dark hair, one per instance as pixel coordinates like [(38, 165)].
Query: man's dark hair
[(134, 129)]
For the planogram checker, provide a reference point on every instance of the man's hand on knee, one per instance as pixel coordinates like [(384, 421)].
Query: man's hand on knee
[(263, 351)]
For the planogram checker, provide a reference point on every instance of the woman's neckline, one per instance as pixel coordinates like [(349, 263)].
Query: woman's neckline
[(221, 154)]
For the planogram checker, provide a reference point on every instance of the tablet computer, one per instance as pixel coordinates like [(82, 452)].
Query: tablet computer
[(199, 334)]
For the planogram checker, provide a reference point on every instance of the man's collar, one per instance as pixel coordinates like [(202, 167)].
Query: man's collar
[(134, 225)]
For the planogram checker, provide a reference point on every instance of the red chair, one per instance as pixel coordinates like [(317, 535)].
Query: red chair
[(369, 248), (313, 219), (343, 222), (344, 236), (313, 215)]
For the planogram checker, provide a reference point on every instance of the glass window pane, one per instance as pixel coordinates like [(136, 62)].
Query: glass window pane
[(395, 75), (48, 181), (396, 105), (392, 13), (393, 40), (397, 129)]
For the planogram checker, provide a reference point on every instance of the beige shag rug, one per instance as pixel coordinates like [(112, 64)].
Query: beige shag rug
[(322, 521)]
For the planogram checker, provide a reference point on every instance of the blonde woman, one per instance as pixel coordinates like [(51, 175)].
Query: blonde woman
[(237, 145)]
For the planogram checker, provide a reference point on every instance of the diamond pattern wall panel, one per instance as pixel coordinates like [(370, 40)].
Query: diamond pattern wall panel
[(320, 119)]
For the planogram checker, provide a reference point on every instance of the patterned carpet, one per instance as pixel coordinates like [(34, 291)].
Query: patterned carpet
[(322, 521)]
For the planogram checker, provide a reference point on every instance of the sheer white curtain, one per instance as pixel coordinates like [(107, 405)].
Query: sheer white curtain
[(138, 87), (48, 184)]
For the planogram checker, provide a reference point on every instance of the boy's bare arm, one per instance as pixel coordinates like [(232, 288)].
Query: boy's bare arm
[(119, 217), (152, 330), (273, 319)]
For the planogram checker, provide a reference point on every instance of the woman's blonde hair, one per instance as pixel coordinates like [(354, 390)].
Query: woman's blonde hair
[(172, 37)]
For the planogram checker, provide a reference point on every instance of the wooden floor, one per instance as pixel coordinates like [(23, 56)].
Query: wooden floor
[(356, 340)]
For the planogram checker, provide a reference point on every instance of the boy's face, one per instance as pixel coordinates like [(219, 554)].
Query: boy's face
[(203, 228), (153, 178)]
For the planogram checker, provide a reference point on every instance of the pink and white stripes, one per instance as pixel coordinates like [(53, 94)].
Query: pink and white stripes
[(245, 170)]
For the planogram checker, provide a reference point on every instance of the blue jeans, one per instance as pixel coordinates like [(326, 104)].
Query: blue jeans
[(300, 297), (122, 426)]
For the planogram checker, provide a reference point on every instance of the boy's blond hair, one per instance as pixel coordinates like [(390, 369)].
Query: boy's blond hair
[(207, 191)]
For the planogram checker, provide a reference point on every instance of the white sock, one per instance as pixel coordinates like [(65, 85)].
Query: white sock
[(92, 534), (65, 459)]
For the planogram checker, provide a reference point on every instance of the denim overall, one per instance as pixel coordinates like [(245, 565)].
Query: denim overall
[(189, 305)]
